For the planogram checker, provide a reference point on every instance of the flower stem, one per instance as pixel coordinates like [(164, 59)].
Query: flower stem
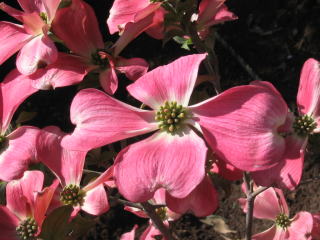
[(251, 195)]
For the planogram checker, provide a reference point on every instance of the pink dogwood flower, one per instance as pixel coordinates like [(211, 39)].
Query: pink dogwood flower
[(68, 167), (31, 38), (289, 170), (271, 205), (17, 148), (174, 156), (132, 17), (27, 204), (86, 41)]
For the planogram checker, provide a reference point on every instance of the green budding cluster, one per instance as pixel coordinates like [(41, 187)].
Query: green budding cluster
[(170, 116), (72, 195), (27, 229), (283, 220), (304, 125)]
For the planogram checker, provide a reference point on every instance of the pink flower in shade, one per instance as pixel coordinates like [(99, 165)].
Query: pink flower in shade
[(86, 41), (288, 172), (68, 167), (27, 204), (174, 156), (17, 149), (271, 205), (132, 17), (37, 49)]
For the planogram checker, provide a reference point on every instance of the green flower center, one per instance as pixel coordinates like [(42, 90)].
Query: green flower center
[(171, 116), (44, 17), (72, 195), (304, 125), (162, 213), (283, 220), (27, 229), (100, 58)]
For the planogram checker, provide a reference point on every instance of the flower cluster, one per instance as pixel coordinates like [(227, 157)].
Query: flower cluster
[(245, 128)]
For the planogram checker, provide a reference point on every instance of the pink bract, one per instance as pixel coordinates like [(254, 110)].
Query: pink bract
[(17, 147), (143, 167), (86, 41), (272, 205), (68, 166), (32, 38), (26, 202), (288, 172)]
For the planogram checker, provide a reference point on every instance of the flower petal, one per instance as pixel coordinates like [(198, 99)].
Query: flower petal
[(67, 165), (133, 68), (287, 173), (19, 152), (109, 80), (131, 31), (272, 233), (227, 171), (21, 193), (208, 9), (129, 235), (301, 226), (245, 119), (66, 71), (202, 201), (308, 98), (13, 90), (43, 201), (151, 231), (101, 119), (266, 205), (96, 201), (105, 176), (83, 38), (12, 38), (40, 50), (51, 7), (174, 162), (124, 11), (172, 82), (8, 224)]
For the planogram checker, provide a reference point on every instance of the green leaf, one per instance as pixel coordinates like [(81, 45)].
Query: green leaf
[(56, 226), (25, 116), (80, 226)]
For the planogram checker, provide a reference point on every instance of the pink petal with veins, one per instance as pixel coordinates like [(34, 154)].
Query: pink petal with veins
[(39, 51), (101, 119), (172, 82), (174, 162)]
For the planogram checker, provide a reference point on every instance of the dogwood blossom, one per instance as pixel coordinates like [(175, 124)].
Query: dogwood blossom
[(271, 205), (26, 207), (174, 156)]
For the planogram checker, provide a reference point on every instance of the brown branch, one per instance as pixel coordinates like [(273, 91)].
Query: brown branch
[(251, 195), (149, 209)]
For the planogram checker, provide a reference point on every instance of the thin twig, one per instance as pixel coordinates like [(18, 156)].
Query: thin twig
[(149, 209), (251, 195), (125, 202), (239, 59)]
